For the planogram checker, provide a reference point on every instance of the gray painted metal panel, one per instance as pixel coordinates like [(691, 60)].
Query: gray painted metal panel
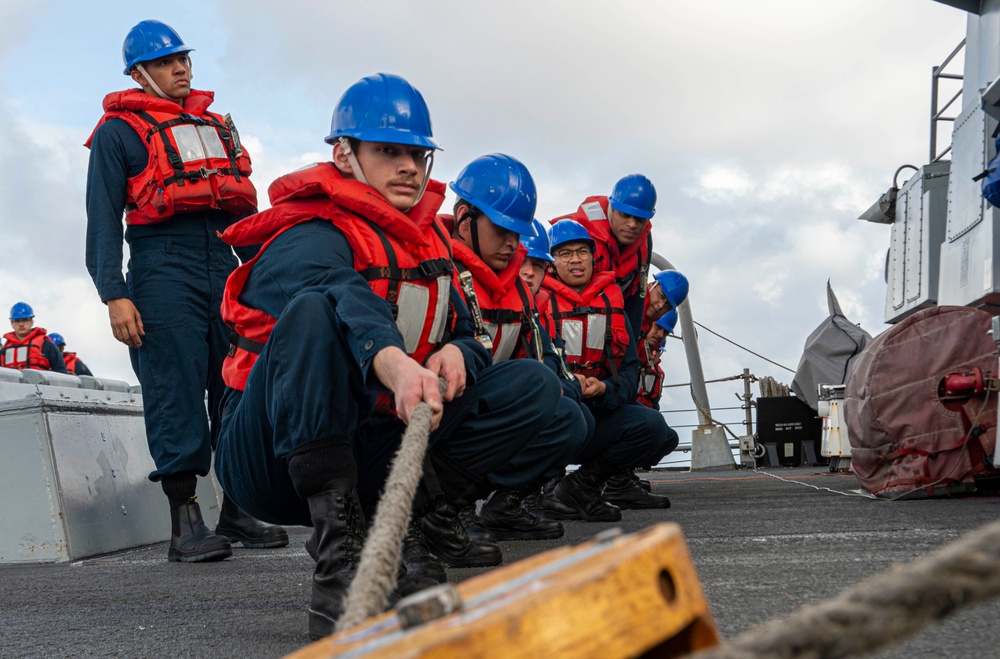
[(965, 200), (913, 213), (914, 256), (11, 375), (76, 464), (897, 261)]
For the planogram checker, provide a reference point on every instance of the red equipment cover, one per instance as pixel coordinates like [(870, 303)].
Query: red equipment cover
[(906, 441)]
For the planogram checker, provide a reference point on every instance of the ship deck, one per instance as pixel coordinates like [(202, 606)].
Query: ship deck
[(762, 546)]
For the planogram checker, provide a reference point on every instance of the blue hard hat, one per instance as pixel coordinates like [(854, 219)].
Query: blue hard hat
[(634, 195), (502, 188), (567, 231), (674, 286), (21, 310), (57, 339), (537, 245), (150, 40), (383, 108), (668, 321)]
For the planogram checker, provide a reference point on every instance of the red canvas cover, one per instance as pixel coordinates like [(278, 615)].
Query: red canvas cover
[(904, 440)]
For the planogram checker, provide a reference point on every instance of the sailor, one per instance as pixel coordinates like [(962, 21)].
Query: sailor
[(586, 319), (666, 292), (180, 175), (356, 266), (623, 241), (495, 207), (537, 260), (74, 365), (29, 347), (650, 351)]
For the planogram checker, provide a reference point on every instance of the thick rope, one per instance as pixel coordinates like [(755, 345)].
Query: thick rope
[(769, 387), (376, 576), (881, 610)]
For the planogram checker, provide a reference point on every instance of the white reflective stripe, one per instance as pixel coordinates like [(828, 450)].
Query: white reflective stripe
[(413, 301), (649, 381), (212, 142), (441, 310), (593, 211), (509, 333), (197, 143), (597, 325), (572, 334)]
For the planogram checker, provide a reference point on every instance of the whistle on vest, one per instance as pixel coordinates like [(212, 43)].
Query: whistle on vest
[(469, 290)]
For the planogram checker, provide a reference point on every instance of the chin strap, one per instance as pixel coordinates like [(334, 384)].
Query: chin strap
[(359, 173), (472, 215), (142, 71)]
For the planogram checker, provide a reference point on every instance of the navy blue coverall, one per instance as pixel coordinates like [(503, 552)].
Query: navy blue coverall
[(177, 272), (626, 434), (313, 382)]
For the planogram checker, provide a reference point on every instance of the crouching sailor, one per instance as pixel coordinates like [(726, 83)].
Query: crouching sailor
[(344, 322), (495, 207), (586, 320)]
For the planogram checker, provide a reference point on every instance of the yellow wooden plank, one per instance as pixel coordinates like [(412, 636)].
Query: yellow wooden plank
[(603, 600)]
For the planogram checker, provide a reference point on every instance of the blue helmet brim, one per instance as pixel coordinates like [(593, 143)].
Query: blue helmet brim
[(163, 52)]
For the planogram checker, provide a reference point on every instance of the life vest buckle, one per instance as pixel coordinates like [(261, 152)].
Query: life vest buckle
[(435, 267), (204, 172)]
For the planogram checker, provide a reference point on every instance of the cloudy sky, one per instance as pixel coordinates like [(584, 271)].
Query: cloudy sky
[(767, 128)]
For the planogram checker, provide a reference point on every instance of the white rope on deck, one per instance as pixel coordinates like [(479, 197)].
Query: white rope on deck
[(882, 610)]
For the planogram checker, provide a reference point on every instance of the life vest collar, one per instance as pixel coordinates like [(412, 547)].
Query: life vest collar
[(599, 282)]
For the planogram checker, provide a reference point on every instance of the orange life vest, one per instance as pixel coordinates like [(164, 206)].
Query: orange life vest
[(406, 258), (589, 326), (71, 359), (27, 352), (650, 377), (196, 161), (501, 307), (629, 263)]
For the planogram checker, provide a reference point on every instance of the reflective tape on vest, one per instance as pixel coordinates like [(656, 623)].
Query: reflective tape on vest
[(196, 143), (413, 302), (593, 211), (16, 355), (597, 327), (505, 338)]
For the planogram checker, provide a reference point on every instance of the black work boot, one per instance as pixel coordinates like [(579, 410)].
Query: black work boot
[(503, 515), (339, 531), (474, 527), (190, 539), (627, 494), (533, 501), (445, 536), (578, 496), (240, 527), (423, 570), (641, 482)]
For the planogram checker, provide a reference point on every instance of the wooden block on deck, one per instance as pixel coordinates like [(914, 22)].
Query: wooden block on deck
[(617, 596)]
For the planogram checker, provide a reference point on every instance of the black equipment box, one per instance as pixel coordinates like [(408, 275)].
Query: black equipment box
[(790, 430)]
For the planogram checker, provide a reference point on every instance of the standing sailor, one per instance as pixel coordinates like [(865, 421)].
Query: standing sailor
[(180, 175)]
